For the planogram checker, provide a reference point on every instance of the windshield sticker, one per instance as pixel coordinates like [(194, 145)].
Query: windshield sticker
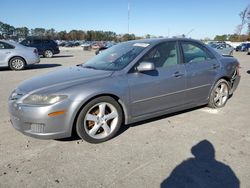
[(144, 45)]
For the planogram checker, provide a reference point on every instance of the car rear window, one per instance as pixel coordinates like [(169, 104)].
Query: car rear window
[(4, 45)]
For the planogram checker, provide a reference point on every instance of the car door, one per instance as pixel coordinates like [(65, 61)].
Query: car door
[(201, 69), (5, 51), (162, 88)]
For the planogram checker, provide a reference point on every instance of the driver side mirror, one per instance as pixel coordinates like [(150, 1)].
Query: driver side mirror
[(145, 66)]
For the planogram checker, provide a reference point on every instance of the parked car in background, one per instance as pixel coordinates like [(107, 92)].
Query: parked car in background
[(238, 48), (243, 47), (45, 47), (104, 47), (129, 82), (17, 56), (86, 45), (223, 48)]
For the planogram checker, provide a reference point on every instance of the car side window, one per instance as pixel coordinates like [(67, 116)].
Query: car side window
[(26, 42), (36, 41), (4, 45), (163, 55), (194, 53)]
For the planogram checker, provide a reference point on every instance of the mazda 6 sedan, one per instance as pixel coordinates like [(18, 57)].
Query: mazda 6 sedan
[(17, 56), (127, 83)]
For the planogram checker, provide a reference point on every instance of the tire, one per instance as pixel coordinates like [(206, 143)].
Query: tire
[(48, 54), (219, 95), (99, 120), (17, 63)]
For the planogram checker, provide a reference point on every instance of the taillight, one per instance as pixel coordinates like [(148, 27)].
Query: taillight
[(238, 69)]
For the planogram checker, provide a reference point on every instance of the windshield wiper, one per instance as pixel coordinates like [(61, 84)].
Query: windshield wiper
[(87, 66)]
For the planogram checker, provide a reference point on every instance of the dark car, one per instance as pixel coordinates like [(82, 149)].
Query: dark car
[(243, 47), (45, 47)]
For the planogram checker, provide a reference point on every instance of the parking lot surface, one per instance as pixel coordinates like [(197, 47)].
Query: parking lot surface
[(155, 153)]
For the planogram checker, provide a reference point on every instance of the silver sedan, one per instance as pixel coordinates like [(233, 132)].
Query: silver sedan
[(17, 56), (223, 48), (127, 83)]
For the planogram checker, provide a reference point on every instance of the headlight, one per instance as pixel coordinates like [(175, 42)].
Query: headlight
[(43, 99)]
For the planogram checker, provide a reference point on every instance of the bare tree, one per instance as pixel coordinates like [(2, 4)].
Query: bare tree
[(248, 19), (243, 16)]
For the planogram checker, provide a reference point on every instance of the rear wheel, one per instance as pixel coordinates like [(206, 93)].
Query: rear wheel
[(219, 95), (48, 53), (17, 63), (99, 120)]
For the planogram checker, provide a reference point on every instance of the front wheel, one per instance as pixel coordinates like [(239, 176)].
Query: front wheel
[(99, 120), (219, 95)]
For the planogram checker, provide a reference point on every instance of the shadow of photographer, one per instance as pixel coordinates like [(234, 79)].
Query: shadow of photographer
[(202, 171)]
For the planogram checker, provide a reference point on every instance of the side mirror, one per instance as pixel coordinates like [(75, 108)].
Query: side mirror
[(145, 66)]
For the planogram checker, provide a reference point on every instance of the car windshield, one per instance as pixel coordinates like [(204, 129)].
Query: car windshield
[(117, 57)]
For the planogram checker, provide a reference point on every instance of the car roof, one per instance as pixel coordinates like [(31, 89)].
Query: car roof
[(158, 40)]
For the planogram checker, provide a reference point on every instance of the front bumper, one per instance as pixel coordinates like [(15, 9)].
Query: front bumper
[(35, 122)]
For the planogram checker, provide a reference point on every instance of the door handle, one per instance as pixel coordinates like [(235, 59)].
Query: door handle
[(178, 74), (7, 52), (215, 66)]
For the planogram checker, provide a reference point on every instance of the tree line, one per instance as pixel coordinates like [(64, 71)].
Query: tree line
[(10, 32)]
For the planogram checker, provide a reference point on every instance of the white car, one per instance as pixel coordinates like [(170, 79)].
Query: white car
[(17, 56)]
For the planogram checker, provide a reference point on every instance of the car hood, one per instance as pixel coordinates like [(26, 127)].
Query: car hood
[(65, 77)]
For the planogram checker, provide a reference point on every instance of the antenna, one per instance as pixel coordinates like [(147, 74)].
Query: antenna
[(189, 32), (128, 15)]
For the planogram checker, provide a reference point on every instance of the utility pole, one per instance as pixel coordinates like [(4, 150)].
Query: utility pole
[(128, 16)]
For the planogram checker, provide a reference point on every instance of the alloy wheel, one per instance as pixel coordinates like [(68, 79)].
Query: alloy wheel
[(17, 64), (101, 120), (48, 53), (221, 94)]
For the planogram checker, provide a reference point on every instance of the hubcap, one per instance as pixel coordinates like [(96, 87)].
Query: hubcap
[(17, 64), (101, 120), (221, 94), (48, 53)]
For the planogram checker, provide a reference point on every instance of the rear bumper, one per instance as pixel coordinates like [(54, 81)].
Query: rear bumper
[(33, 60), (56, 51)]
